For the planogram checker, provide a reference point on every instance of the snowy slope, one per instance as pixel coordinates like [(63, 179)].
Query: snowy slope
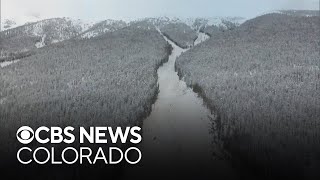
[(22, 36), (8, 24), (22, 41), (184, 31), (102, 27), (45, 32), (196, 23), (13, 22), (305, 13), (58, 29)]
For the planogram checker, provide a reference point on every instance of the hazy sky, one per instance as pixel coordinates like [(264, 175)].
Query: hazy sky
[(119, 9)]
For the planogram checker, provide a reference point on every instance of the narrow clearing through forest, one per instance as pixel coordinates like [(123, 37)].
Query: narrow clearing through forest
[(177, 136)]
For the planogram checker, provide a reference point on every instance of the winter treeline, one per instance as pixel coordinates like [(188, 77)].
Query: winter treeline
[(17, 41), (263, 80), (301, 12), (23, 41), (103, 27)]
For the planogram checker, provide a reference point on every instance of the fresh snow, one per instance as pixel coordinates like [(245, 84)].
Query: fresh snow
[(41, 43), (201, 38), (13, 22), (191, 22), (7, 63), (2, 101), (81, 24), (84, 24), (102, 27), (38, 29)]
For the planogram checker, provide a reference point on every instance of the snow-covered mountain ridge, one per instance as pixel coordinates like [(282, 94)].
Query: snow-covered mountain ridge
[(21, 36)]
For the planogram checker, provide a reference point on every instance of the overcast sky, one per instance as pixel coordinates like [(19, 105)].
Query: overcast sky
[(120, 9)]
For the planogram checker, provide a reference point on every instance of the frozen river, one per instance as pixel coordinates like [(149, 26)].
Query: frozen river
[(177, 136)]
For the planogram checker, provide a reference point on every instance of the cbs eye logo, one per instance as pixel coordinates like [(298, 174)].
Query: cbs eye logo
[(25, 135)]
